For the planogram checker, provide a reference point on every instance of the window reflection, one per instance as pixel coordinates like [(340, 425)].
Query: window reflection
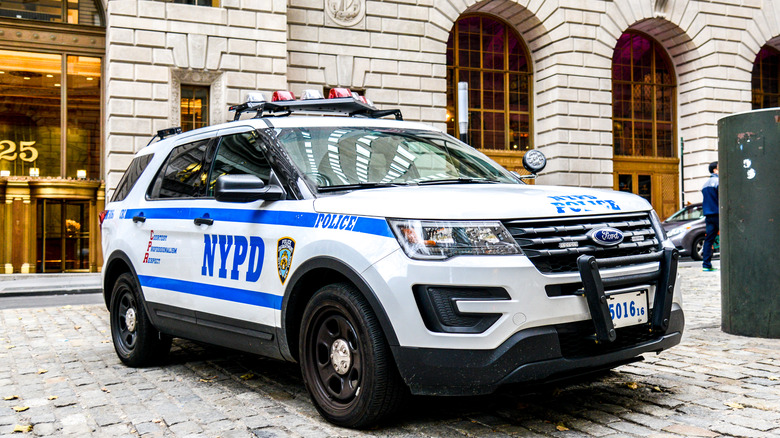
[(83, 134), (30, 105), (83, 12), (194, 107), (643, 93), (491, 58), (31, 132), (765, 83)]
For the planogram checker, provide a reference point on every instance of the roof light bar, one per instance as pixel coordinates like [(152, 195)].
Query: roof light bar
[(311, 94), (339, 92), (341, 101), (282, 96), (255, 97)]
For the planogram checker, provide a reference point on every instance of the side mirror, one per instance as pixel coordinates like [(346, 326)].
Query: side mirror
[(246, 188), (534, 161)]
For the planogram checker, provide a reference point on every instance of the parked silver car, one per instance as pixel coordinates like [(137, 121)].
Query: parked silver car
[(686, 228)]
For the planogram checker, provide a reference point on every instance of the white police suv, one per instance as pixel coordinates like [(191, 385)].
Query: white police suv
[(383, 256)]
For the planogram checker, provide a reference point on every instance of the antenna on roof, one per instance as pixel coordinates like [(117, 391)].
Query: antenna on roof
[(161, 134)]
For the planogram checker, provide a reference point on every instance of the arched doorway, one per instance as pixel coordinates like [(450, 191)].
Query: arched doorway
[(643, 118), (491, 57)]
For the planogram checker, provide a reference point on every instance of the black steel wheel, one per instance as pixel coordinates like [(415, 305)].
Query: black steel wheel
[(136, 341), (346, 363)]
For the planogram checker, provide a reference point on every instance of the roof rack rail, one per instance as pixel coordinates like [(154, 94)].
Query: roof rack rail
[(341, 105), (161, 134)]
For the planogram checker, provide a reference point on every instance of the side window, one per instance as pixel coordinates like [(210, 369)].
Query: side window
[(136, 168), (239, 154), (182, 175)]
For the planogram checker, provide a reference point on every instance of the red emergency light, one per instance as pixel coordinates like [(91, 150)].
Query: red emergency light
[(282, 96)]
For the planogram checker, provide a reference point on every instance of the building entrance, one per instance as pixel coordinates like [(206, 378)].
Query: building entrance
[(654, 179), (51, 69), (62, 236)]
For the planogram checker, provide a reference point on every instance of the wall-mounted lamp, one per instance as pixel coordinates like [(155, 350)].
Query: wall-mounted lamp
[(81, 174)]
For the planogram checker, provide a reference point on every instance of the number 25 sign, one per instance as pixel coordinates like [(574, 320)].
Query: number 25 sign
[(26, 151)]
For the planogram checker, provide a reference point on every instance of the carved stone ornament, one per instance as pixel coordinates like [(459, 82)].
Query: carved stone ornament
[(346, 12)]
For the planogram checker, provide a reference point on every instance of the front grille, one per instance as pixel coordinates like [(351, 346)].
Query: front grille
[(554, 244), (577, 339)]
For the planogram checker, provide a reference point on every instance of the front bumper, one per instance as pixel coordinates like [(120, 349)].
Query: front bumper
[(534, 355), (561, 349)]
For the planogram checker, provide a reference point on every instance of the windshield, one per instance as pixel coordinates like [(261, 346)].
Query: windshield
[(363, 157)]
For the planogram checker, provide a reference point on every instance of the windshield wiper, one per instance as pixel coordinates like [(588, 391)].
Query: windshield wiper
[(459, 181), (358, 186)]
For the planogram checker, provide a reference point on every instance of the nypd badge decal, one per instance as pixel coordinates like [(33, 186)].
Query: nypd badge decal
[(284, 250)]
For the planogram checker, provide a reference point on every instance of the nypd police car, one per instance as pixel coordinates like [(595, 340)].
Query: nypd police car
[(384, 256)]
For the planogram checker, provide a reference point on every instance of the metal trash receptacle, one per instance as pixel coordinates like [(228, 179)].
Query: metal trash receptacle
[(749, 166)]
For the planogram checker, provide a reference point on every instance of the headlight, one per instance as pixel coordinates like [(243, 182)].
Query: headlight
[(440, 240)]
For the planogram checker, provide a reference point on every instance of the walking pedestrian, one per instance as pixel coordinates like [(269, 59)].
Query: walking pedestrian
[(711, 215)]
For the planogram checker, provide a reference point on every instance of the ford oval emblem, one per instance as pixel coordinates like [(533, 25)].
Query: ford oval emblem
[(606, 236)]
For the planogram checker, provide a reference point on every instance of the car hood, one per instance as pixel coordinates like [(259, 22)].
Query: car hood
[(479, 201)]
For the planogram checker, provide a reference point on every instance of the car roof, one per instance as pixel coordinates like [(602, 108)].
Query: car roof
[(283, 122)]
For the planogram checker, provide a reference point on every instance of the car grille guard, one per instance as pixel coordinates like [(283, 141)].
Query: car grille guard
[(594, 288), (544, 242)]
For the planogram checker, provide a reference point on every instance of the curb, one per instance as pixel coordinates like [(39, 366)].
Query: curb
[(19, 285)]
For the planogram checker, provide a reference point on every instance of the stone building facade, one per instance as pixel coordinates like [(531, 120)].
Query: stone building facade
[(604, 116), (395, 51)]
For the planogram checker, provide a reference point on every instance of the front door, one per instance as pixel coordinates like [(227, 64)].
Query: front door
[(654, 179), (62, 236)]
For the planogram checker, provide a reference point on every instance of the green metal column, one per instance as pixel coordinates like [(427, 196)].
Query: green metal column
[(749, 166)]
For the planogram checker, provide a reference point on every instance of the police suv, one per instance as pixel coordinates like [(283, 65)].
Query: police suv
[(384, 256)]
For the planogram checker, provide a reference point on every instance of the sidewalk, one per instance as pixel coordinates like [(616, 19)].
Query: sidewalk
[(15, 285)]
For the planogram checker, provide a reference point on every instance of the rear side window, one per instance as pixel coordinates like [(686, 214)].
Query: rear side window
[(183, 174), (131, 175)]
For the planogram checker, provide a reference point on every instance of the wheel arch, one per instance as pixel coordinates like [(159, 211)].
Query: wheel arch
[(307, 279), (118, 263)]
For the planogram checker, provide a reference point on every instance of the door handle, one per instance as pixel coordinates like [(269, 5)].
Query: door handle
[(140, 218), (203, 221)]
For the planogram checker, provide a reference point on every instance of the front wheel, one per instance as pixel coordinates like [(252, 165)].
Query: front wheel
[(345, 360), (697, 249), (136, 341)]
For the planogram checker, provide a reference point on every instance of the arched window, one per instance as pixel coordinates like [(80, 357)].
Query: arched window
[(84, 12), (489, 55), (643, 98), (766, 71)]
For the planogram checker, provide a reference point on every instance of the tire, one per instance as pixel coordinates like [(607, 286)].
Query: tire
[(364, 386), (697, 248), (136, 341)]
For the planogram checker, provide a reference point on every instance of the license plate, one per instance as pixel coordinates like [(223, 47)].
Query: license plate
[(628, 308)]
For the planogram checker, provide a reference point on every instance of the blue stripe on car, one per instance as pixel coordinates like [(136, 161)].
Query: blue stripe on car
[(365, 225), (254, 298)]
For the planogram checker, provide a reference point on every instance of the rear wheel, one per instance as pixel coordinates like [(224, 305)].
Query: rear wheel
[(136, 341), (345, 360)]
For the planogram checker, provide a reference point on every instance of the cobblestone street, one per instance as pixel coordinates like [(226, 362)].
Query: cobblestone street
[(59, 376)]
